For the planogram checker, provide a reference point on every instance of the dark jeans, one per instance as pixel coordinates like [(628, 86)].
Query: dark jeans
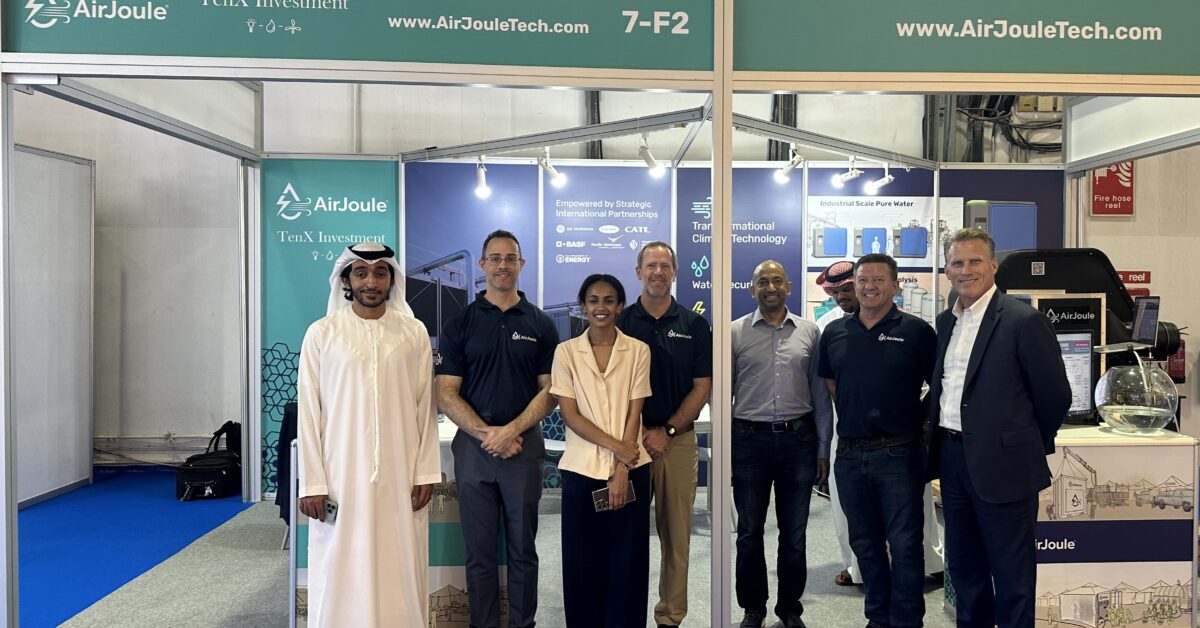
[(605, 555), (789, 461), (989, 549), (882, 493), (491, 491)]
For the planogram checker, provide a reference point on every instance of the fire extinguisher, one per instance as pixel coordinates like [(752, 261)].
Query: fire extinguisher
[(1177, 364)]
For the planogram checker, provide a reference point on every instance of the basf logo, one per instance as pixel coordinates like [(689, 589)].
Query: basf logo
[(47, 13), (292, 206)]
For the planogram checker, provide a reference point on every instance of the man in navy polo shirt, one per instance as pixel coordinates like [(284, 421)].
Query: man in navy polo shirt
[(681, 379), (493, 381), (874, 363)]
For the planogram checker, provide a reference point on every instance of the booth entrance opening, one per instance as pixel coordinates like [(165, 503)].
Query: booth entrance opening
[(252, 193), (259, 171)]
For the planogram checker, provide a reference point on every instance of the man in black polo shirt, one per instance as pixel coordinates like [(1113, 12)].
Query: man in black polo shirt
[(493, 381), (874, 363), (680, 378)]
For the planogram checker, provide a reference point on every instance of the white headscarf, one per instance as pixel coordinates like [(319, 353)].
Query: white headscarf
[(371, 253)]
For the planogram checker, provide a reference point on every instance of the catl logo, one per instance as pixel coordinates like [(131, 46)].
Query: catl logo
[(292, 206), (47, 13)]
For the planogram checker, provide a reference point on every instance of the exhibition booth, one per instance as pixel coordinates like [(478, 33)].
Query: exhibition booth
[(286, 214)]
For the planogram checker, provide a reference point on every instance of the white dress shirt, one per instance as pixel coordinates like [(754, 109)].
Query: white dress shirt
[(958, 356)]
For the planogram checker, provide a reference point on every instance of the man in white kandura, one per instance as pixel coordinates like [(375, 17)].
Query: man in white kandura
[(369, 443)]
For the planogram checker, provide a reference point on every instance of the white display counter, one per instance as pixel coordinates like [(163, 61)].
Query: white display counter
[(1116, 531)]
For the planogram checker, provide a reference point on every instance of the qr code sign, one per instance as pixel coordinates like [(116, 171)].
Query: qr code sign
[(1037, 269)]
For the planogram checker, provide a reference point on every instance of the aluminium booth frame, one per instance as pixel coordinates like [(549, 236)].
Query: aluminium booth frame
[(48, 71), (722, 81)]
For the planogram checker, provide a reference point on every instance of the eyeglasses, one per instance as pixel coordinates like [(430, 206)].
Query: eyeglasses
[(511, 260)]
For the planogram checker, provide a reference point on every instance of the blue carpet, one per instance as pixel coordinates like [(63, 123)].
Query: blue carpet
[(81, 546)]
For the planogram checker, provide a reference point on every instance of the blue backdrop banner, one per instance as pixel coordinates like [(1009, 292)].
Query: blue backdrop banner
[(767, 224), (596, 222)]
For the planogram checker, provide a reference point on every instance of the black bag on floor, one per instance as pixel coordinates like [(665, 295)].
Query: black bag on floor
[(215, 473)]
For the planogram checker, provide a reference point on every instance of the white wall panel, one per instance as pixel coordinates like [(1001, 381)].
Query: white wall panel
[(318, 117), (308, 118), (50, 235), (1164, 232), (1108, 123), (398, 119), (167, 291), (224, 108), (401, 118), (890, 122), (882, 121)]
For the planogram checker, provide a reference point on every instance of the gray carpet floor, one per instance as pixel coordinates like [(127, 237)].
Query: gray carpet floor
[(826, 605), (236, 576)]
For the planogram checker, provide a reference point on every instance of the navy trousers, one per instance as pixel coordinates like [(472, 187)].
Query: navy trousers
[(989, 549), (605, 555), (786, 461), (491, 491), (882, 492)]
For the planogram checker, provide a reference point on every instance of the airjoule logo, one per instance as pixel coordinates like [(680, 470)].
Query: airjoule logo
[(517, 336), (1055, 317), (674, 334), (886, 338), (47, 13), (292, 206)]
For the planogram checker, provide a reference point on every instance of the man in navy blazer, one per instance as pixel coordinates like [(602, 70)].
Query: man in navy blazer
[(998, 396)]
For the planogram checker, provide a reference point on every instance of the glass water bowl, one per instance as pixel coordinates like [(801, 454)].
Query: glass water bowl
[(1136, 399)]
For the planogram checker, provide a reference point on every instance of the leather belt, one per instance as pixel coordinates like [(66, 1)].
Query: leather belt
[(953, 435), (868, 444), (773, 426)]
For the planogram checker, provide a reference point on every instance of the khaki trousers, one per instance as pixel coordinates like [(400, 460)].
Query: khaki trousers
[(673, 485)]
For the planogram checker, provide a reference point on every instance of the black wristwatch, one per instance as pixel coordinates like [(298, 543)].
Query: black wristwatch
[(671, 431)]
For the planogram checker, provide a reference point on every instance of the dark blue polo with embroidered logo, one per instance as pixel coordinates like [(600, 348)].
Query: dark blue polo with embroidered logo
[(499, 355), (680, 351), (878, 390)]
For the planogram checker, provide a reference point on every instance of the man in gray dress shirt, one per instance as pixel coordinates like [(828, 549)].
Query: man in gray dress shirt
[(782, 424)]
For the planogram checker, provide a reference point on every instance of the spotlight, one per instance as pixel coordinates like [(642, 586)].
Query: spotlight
[(657, 170), (557, 179), (481, 187), (785, 173), (872, 187), (839, 180)]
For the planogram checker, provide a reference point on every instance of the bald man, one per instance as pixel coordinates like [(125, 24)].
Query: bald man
[(782, 424)]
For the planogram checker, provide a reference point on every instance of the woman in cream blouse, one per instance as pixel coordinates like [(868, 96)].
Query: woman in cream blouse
[(601, 379)]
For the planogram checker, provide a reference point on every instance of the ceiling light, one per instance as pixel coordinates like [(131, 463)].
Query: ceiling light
[(657, 170), (783, 174), (872, 187), (481, 187), (839, 180), (557, 179)]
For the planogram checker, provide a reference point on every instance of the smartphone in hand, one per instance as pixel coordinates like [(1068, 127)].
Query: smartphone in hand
[(600, 498)]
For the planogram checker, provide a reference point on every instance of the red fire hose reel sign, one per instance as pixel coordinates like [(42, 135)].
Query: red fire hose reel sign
[(1112, 190)]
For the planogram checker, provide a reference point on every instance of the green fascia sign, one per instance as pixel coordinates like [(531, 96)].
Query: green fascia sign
[(677, 35), (312, 209), (984, 36)]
